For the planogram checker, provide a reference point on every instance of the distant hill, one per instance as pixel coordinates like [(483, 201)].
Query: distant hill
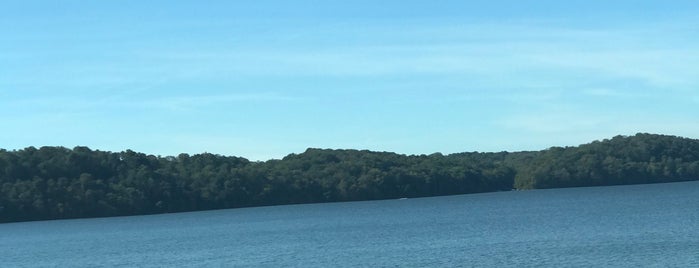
[(59, 183), (643, 158)]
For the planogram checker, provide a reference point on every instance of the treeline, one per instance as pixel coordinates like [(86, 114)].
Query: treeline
[(58, 183), (643, 158)]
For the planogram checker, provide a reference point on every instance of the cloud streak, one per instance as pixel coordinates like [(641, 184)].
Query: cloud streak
[(198, 101), (509, 54), (85, 104), (397, 84)]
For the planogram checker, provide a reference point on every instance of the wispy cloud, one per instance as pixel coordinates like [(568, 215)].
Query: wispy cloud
[(615, 93), (659, 68), (507, 54), (583, 126), (196, 101), (496, 53), (72, 104), (546, 81), (553, 123)]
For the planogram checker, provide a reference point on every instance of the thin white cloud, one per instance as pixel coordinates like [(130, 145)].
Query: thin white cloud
[(580, 125), (552, 122), (506, 54), (194, 101), (498, 54), (531, 70), (614, 93), (660, 68), (75, 103)]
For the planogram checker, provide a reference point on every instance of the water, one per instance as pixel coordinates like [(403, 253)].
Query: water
[(621, 226)]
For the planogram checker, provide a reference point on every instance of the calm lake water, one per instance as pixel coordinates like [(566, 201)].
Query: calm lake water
[(620, 226)]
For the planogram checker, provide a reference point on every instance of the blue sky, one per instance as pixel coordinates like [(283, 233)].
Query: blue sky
[(261, 79)]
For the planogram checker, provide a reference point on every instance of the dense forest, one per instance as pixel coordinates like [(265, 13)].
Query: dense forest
[(59, 183)]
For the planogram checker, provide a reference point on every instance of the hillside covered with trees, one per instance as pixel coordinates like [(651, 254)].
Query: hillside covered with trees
[(59, 183)]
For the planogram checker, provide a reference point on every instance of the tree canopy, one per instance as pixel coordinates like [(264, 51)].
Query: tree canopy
[(58, 183)]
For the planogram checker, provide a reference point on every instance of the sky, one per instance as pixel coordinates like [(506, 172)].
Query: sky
[(262, 79)]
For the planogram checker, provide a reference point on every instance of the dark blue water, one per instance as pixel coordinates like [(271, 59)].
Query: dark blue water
[(621, 226)]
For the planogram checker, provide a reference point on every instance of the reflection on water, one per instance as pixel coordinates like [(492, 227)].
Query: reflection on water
[(619, 226)]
